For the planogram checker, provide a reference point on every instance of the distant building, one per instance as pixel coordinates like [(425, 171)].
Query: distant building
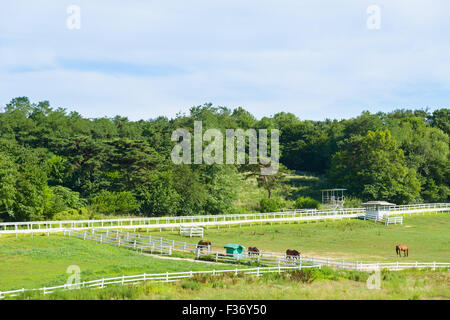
[(333, 199), (376, 210)]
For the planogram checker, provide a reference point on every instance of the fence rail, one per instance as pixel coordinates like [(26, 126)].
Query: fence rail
[(158, 277), (191, 231)]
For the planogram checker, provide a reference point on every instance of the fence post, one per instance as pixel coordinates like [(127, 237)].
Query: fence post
[(217, 256), (84, 238), (167, 276), (257, 271)]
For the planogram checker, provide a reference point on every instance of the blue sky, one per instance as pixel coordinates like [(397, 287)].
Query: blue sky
[(142, 59)]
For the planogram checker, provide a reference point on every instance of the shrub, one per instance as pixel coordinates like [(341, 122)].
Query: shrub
[(72, 214), (115, 202), (192, 285), (268, 205), (306, 203), (352, 202), (304, 276), (63, 198)]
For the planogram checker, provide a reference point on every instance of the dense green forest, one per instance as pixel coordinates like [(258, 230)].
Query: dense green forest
[(59, 165)]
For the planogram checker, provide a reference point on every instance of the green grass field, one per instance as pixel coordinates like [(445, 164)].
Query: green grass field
[(428, 238), (34, 262), (306, 284)]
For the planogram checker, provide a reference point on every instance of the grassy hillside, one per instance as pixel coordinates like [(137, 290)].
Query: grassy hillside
[(294, 185), (428, 238), (40, 261)]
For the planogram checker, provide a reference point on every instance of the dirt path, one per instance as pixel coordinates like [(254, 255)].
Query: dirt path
[(177, 258)]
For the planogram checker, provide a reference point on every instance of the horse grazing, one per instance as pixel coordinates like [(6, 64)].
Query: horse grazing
[(401, 247), (292, 254), (253, 251), (202, 244)]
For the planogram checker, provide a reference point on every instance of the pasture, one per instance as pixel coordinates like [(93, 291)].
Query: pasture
[(38, 261), (428, 238), (32, 262)]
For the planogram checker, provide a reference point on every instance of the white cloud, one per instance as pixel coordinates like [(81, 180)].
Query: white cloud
[(316, 59)]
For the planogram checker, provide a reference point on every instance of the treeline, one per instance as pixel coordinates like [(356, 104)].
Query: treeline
[(56, 165)]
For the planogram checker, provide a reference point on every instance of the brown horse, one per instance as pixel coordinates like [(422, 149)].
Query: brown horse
[(401, 247), (203, 244), (292, 254), (253, 251)]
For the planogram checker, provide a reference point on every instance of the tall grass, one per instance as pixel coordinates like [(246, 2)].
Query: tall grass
[(322, 283)]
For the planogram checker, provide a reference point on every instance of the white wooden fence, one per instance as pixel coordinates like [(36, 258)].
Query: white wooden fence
[(419, 208), (156, 277), (209, 220), (159, 245), (176, 276), (191, 231), (135, 241), (173, 222), (395, 266), (386, 219), (392, 220)]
